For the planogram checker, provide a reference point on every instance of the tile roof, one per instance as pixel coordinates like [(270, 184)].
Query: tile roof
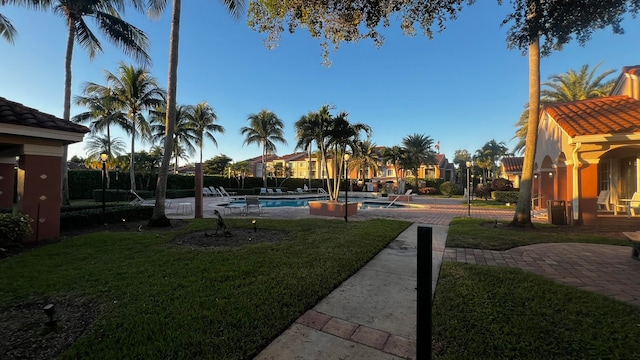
[(605, 115), (18, 114), (512, 164), (631, 70)]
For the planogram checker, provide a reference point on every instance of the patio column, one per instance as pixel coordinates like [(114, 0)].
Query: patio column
[(39, 184), (7, 182), (588, 193)]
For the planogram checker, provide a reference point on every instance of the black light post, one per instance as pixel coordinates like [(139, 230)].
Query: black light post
[(104, 158), (117, 184), (346, 188), (468, 189)]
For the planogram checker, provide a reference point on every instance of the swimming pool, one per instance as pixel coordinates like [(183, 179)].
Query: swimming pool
[(278, 203)]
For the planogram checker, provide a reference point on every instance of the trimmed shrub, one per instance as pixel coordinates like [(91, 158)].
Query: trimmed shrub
[(502, 185), (112, 215), (448, 188), (506, 196), (15, 228)]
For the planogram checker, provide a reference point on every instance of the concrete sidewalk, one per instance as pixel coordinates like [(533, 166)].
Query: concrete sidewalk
[(372, 315)]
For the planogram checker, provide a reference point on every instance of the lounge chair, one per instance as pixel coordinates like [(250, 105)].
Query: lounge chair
[(207, 192), (279, 192), (225, 193), (300, 191), (252, 202), (270, 192), (263, 191), (630, 205), (604, 201), (146, 202)]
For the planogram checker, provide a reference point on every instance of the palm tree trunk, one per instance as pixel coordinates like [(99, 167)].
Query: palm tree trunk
[(264, 165), (66, 114), (522, 216), (159, 218), (132, 172)]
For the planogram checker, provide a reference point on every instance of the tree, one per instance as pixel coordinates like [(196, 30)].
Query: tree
[(130, 39), (311, 128), (570, 86), (97, 145), (487, 156), (366, 158), (555, 22), (156, 7), (337, 21), (394, 155), (218, 165), (102, 113), (135, 91), (203, 118), (418, 151), (7, 31), (265, 129), (184, 132)]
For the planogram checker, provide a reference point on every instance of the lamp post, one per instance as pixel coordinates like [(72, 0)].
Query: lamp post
[(117, 184), (468, 189), (104, 158), (346, 188)]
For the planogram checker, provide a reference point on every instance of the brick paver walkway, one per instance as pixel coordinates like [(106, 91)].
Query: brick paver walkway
[(604, 269)]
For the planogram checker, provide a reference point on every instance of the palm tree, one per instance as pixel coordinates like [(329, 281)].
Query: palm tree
[(395, 156), (102, 111), (135, 91), (156, 7), (265, 130), (366, 158), (7, 31), (130, 39), (418, 151), (570, 86), (97, 145), (487, 156), (313, 127), (203, 118), (184, 134)]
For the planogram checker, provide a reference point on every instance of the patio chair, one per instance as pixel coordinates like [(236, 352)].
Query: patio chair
[(252, 201), (604, 200), (630, 205), (300, 191), (207, 192), (279, 192), (226, 193), (263, 191), (270, 192), (146, 202)]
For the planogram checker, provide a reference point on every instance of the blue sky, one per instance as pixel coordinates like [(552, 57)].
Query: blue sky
[(463, 88)]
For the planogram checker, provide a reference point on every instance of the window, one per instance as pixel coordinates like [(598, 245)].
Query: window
[(604, 175)]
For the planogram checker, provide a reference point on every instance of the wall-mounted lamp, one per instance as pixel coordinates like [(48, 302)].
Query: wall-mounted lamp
[(550, 174)]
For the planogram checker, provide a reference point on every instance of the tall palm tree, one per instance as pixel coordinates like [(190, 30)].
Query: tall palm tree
[(418, 152), (487, 156), (184, 134), (135, 91), (314, 127), (7, 31), (265, 129), (366, 158), (97, 145), (203, 118), (106, 13), (156, 7), (569, 86), (395, 156), (102, 113)]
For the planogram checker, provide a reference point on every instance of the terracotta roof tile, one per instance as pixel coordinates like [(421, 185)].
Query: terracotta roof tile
[(18, 114), (631, 70), (512, 164), (606, 115)]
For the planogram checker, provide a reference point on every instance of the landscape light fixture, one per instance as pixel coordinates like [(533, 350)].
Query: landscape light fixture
[(104, 158), (117, 183), (468, 189), (255, 227), (346, 188), (50, 310)]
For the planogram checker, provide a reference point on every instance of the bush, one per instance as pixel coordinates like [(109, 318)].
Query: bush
[(501, 185), (15, 228), (448, 188), (506, 196), (113, 215), (483, 192)]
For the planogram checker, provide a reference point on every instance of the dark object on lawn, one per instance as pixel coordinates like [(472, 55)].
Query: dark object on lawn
[(220, 225), (50, 310)]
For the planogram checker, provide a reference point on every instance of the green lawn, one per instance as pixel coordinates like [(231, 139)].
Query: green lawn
[(165, 301), (489, 312), (486, 312), (481, 234)]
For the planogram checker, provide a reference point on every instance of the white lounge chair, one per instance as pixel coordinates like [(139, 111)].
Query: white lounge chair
[(146, 202), (604, 201), (263, 191), (630, 205), (207, 192), (279, 192), (270, 192), (300, 191), (226, 193)]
